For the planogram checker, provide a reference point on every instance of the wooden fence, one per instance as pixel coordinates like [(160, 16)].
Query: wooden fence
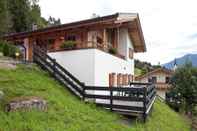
[(194, 123), (136, 99)]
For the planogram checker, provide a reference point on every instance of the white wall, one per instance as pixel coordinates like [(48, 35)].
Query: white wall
[(93, 66), (80, 63), (106, 63)]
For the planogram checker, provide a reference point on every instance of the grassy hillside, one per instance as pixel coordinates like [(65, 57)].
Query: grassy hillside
[(67, 113)]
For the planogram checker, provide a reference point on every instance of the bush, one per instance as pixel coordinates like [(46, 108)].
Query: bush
[(113, 51), (8, 49), (68, 44)]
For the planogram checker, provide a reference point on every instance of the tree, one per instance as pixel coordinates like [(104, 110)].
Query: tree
[(4, 17), (35, 15), (184, 82), (20, 10), (21, 15), (52, 21)]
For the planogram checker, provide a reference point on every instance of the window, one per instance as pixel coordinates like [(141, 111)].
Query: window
[(70, 38), (167, 79), (130, 53), (154, 79), (149, 80)]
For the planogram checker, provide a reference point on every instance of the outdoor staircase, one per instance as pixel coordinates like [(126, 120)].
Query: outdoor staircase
[(58, 72), (145, 94)]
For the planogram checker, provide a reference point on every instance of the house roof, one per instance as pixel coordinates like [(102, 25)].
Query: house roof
[(117, 18), (159, 70)]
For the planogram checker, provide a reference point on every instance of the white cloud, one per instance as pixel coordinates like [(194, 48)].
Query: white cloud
[(167, 24)]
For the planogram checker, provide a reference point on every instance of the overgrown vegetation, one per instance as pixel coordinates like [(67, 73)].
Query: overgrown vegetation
[(8, 49), (184, 91), (67, 113)]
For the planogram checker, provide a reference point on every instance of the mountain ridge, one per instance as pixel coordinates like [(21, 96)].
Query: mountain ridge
[(181, 60)]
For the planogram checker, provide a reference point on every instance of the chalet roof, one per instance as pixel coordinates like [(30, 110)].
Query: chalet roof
[(159, 70), (117, 18)]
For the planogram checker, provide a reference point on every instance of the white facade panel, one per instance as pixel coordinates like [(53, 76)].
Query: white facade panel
[(80, 63)]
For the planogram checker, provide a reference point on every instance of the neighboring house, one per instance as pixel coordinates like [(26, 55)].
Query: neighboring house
[(160, 77), (98, 51)]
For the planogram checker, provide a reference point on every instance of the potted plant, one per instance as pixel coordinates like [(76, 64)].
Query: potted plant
[(112, 50), (68, 45)]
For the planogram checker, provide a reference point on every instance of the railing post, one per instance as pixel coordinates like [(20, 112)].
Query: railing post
[(54, 66), (84, 93), (144, 104), (111, 99)]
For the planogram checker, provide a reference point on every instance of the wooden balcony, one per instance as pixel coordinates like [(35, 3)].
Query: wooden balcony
[(88, 45)]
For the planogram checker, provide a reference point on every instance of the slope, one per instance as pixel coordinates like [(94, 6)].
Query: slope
[(65, 112)]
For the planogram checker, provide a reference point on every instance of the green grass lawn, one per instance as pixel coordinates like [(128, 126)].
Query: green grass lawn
[(67, 113)]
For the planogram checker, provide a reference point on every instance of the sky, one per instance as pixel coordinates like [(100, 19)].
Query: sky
[(169, 26)]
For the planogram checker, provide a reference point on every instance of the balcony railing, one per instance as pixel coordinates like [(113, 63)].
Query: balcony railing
[(89, 45)]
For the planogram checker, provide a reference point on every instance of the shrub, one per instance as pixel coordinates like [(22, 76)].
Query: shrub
[(8, 49), (68, 44), (113, 51)]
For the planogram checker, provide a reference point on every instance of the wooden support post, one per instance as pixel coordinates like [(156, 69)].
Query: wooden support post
[(118, 36), (144, 104), (111, 99), (105, 39)]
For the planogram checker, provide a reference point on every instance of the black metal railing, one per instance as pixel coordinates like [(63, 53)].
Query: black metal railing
[(137, 98)]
